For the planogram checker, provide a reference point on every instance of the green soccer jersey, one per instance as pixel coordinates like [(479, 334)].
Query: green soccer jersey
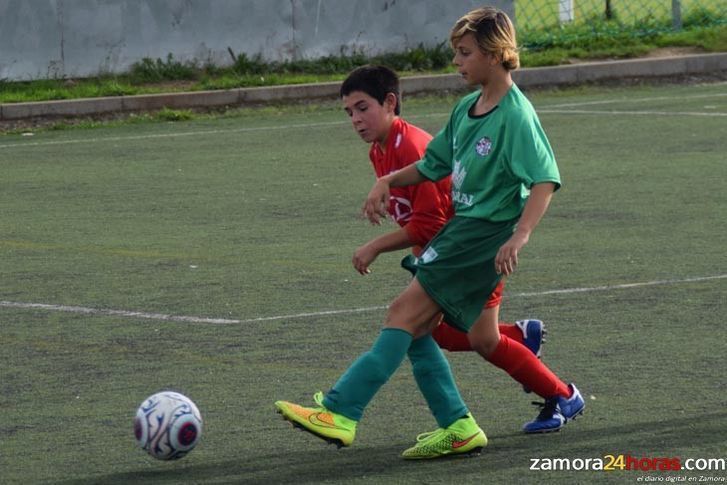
[(494, 158)]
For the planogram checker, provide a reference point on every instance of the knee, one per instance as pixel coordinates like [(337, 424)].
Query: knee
[(484, 345), (402, 315)]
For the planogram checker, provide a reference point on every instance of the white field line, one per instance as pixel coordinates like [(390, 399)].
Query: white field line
[(638, 100), (118, 313), (224, 321), (106, 139), (621, 113), (545, 109), (624, 286)]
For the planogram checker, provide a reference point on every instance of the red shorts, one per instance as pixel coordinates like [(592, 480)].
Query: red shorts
[(496, 296)]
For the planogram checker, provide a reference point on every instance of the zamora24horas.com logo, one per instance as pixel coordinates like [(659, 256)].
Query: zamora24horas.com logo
[(621, 462)]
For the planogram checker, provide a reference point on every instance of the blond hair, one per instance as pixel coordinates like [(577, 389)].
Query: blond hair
[(494, 33)]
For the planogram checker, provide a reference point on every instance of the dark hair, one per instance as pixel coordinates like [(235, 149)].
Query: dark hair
[(376, 81)]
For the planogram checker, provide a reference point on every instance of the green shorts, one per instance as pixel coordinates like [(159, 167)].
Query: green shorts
[(457, 267)]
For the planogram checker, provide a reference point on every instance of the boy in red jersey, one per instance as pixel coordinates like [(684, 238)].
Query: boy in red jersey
[(371, 97)]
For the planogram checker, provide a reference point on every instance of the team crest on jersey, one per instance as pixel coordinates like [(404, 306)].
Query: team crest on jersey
[(400, 208), (483, 146)]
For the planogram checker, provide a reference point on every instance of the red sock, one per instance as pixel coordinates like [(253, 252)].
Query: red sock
[(511, 331), (522, 365), (449, 338)]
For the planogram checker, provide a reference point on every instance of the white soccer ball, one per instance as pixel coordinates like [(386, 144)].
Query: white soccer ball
[(167, 425)]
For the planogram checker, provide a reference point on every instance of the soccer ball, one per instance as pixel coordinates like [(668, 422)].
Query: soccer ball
[(167, 425)]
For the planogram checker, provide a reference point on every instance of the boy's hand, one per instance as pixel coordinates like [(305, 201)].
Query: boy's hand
[(377, 201), (506, 259), (535, 207), (363, 257)]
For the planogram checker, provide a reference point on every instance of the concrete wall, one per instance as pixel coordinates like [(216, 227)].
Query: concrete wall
[(76, 38)]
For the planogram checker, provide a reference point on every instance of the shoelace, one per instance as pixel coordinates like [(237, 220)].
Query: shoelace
[(318, 398), (549, 407)]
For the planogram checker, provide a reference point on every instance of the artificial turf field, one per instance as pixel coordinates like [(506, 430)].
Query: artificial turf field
[(213, 257)]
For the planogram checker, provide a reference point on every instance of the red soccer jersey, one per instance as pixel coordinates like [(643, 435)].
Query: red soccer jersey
[(420, 209)]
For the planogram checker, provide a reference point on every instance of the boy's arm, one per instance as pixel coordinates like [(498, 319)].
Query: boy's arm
[(429, 214), (431, 208), (378, 199), (535, 207), (391, 241)]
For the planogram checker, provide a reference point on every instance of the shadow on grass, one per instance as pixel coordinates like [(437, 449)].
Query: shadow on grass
[(312, 465), (383, 464), (673, 433)]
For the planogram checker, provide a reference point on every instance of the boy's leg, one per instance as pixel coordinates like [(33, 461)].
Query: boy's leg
[(562, 402), (458, 432), (514, 358), (358, 385), (528, 332), (434, 378), (336, 416), (523, 366), (454, 340), (353, 391)]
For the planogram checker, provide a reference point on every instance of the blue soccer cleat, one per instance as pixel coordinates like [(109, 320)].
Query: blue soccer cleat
[(533, 333), (533, 337), (556, 412)]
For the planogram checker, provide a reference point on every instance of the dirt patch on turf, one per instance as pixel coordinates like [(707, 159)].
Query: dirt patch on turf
[(674, 51), (657, 53)]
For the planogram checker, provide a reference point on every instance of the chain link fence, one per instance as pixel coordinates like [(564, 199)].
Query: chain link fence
[(549, 23)]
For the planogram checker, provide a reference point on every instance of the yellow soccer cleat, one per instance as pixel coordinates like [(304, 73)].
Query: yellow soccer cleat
[(319, 421), (463, 437)]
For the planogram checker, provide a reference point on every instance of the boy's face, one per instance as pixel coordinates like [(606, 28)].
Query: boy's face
[(473, 65), (370, 119)]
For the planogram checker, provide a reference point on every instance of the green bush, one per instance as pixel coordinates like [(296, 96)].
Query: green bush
[(245, 65), (701, 16), (166, 114), (149, 70)]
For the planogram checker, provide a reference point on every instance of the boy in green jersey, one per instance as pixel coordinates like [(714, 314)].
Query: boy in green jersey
[(503, 176)]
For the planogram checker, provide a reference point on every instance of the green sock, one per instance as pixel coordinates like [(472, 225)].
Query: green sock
[(358, 385), (435, 380)]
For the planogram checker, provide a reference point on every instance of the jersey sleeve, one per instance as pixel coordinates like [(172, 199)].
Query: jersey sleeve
[(430, 200), (430, 212), (531, 158), (437, 161)]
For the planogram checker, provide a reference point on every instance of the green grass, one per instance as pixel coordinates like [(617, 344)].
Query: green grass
[(151, 76), (542, 14), (256, 215), (574, 45), (634, 29)]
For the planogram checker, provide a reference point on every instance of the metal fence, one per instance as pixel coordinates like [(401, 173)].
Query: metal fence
[(543, 23)]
